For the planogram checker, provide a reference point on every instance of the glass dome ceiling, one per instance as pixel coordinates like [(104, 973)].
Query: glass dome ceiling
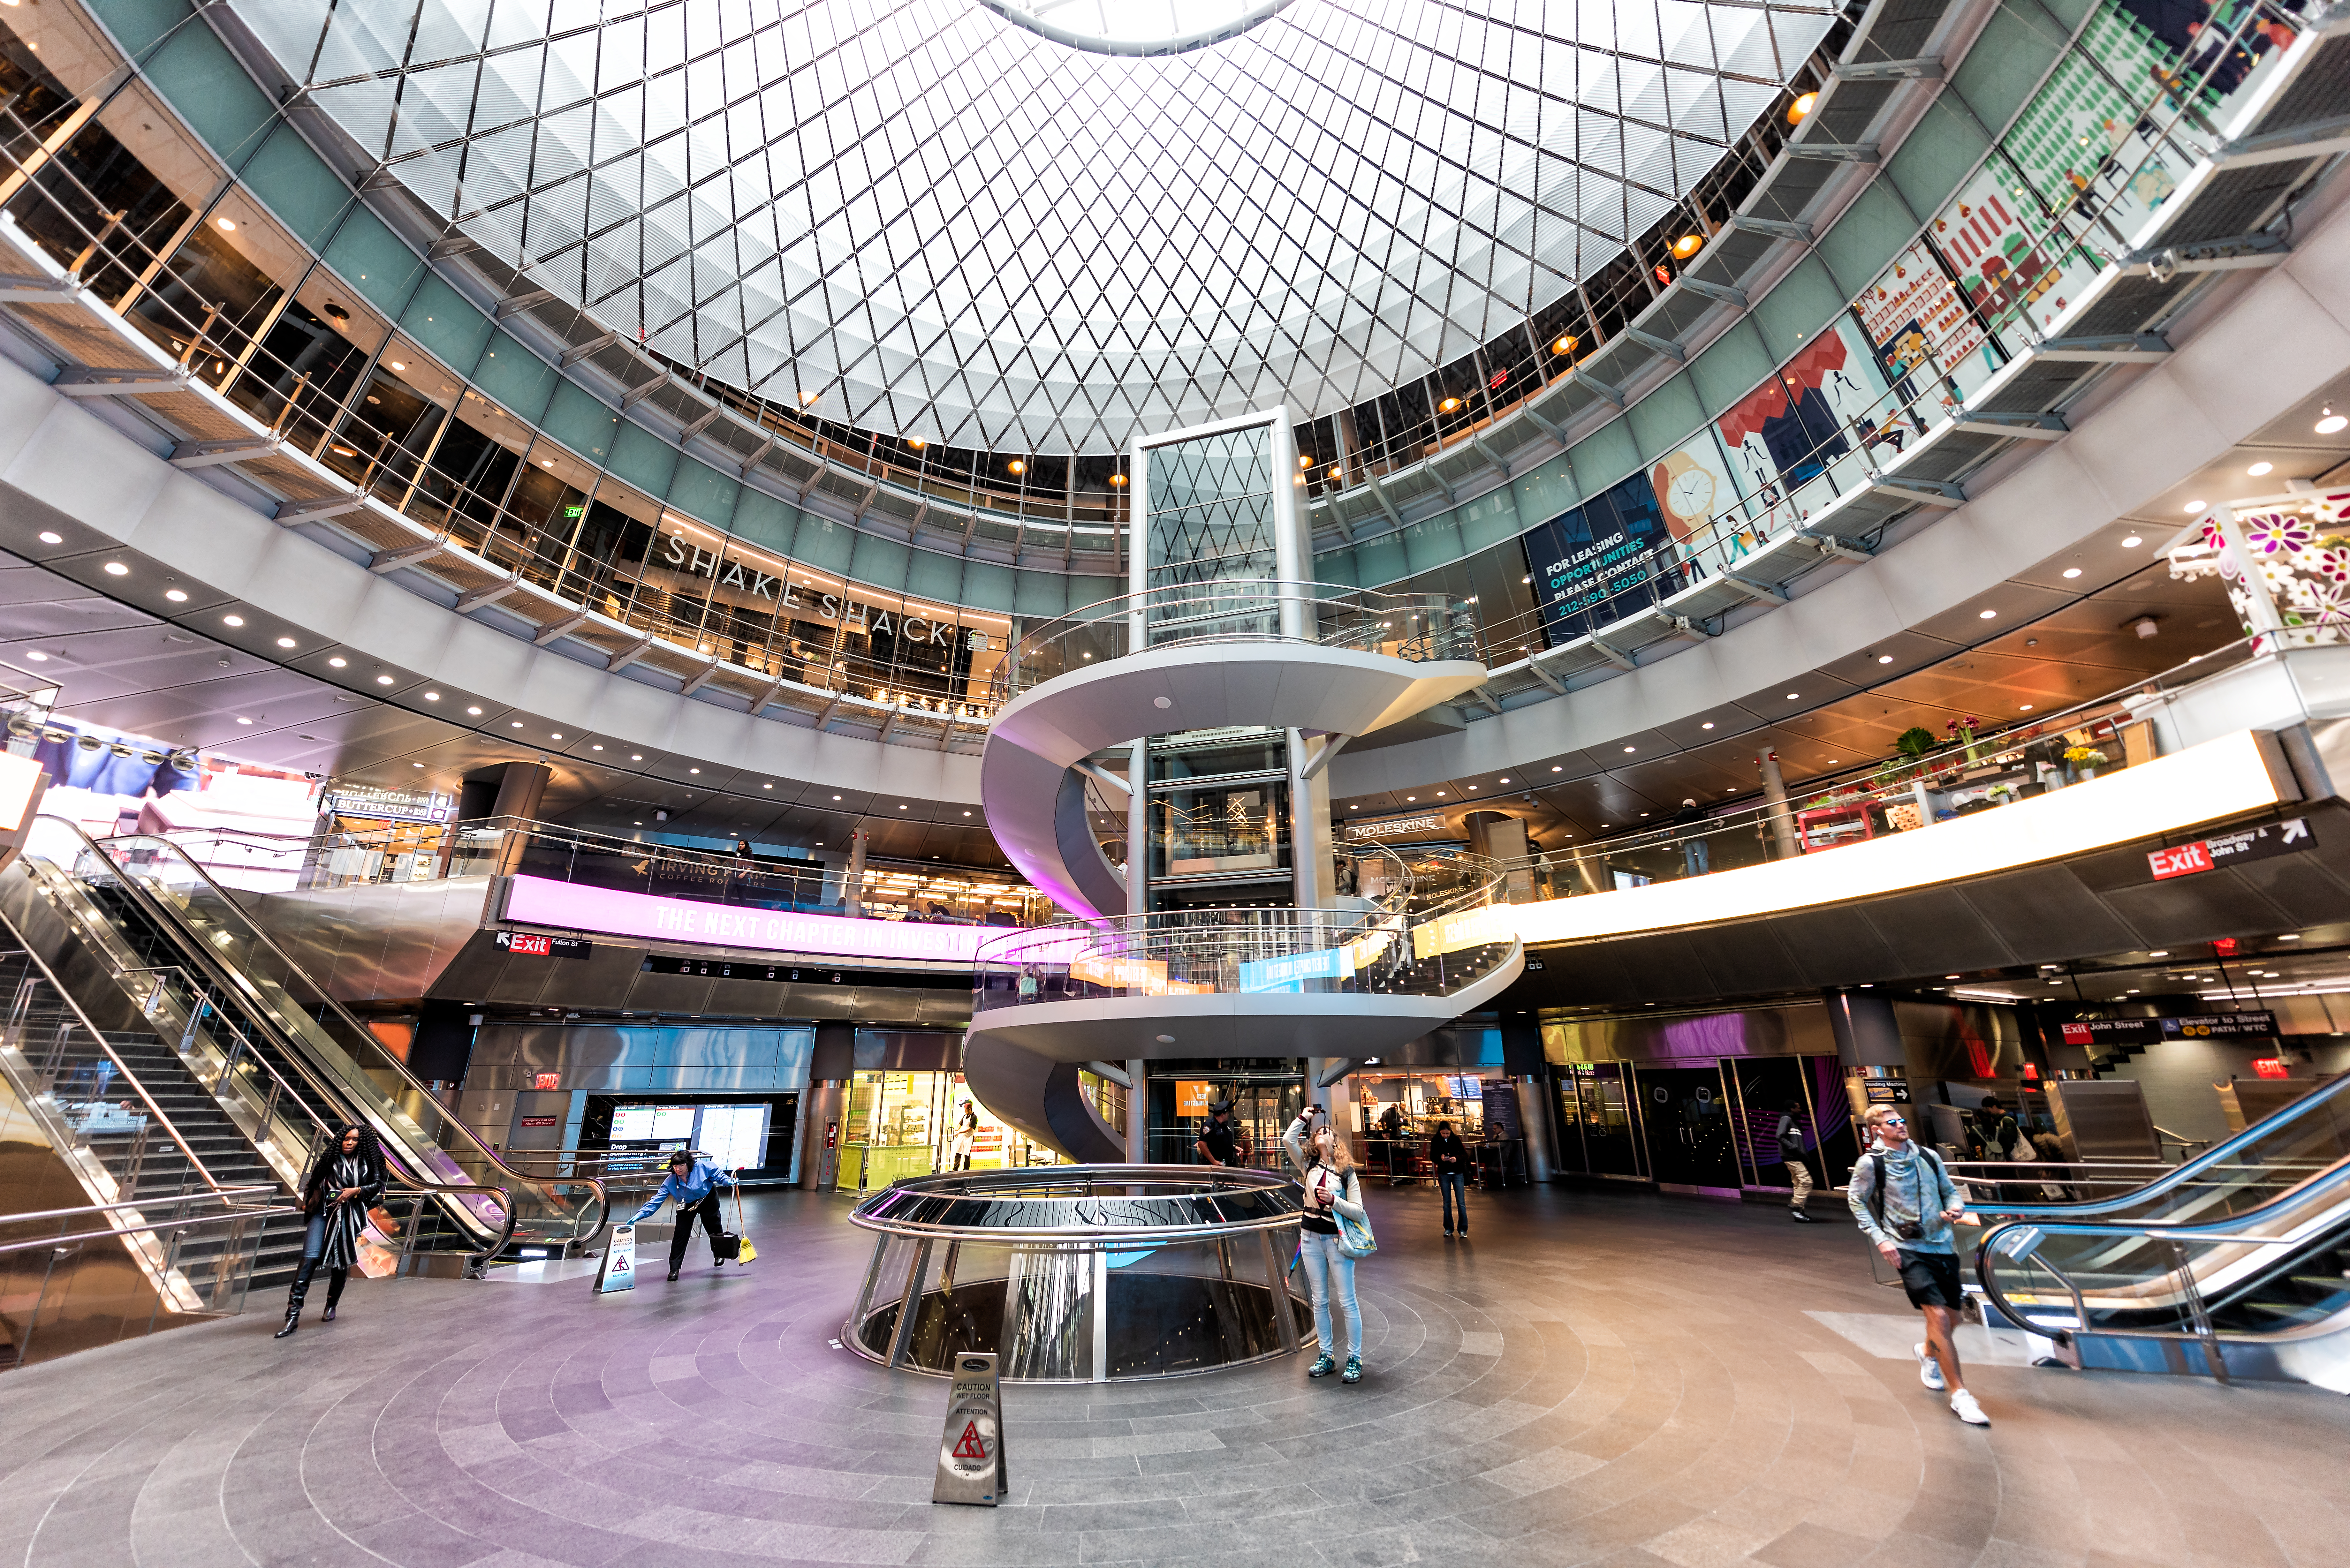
[(920, 217)]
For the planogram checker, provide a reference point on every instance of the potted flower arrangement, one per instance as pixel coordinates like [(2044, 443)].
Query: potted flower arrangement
[(2084, 760), (1963, 731)]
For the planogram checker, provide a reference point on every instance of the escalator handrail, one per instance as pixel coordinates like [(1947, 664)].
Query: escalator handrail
[(187, 1150), (171, 923), (2327, 1194), (156, 1228), (2188, 1171)]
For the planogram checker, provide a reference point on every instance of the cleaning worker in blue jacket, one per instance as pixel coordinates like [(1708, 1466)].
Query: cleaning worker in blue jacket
[(694, 1183)]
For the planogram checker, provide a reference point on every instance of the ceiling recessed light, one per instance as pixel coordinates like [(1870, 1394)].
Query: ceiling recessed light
[(337, 662), (476, 712), (1628, 750), (244, 721), (2023, 707), (50, 538), (1558, 770), (761, 786), (902, 808), (117, 569), (1505, 781), (177, 595), (2132, 543), (416, 764), (232, 620), (635, 756), (1987, 615), (2072, 571), (1883, 659), (1792, 696), (383, 680), (37, 656), (594, 748), (555, 734), (2332, 423), (693, 769), (967, 813), (2159, 952), (398, 366), (228, 226), (836, 797), (285, 642), (2195, 506), (1411, 798), (433, 695), (2258, 469), (1707, 725), (517, 723)]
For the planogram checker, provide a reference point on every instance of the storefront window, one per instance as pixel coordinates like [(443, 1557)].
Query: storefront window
[(903, 1125)]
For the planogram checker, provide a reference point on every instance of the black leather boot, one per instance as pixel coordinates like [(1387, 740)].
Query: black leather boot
[(335, 1280), (293, 1298)]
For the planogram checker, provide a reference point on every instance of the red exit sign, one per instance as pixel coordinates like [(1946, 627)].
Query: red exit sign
[(2286, 837), (531, 943)]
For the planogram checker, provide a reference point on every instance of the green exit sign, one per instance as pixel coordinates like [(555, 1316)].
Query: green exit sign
[(572, 511)]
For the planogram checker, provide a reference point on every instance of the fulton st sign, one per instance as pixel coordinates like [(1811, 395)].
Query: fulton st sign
[(566, 906)]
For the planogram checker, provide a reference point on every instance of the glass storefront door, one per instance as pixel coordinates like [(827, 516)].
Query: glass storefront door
[(1598, 1121), (1687, 1111)]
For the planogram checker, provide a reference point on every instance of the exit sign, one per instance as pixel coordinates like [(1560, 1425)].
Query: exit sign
[(2287, 837)]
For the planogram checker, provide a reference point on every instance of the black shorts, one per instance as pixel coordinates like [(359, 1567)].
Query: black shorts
[(1931, 1279)]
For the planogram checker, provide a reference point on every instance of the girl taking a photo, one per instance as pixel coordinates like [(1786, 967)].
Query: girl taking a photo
[(1333, 1189)]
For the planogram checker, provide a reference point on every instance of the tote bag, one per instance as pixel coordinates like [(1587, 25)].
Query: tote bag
[(1355, 1238)]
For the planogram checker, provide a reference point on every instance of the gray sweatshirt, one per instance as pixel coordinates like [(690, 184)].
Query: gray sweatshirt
[(1916, 1188)]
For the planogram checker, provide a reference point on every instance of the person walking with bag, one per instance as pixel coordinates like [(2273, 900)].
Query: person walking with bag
[(1333, 1197), (1450, 1155), (694, 1183), (1791, 1155), (343, 1184), (1906, 1203)]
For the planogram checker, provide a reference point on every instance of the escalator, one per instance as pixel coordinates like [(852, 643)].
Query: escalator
[(135, 924), (2236, 1264), (138, 1130)]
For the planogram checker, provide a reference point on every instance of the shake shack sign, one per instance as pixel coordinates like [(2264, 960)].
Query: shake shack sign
[(1430, 827), (693, 559)]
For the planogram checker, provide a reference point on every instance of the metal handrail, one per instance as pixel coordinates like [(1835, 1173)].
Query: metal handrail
[(1857, 780), (1224, 1179), (2182, 1175), (1449, 619), (171, 922), (159, 1227), (138, 1203), (186, 1149)]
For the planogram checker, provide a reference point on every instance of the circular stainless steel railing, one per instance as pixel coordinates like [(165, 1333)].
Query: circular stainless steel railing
[(1081, 1272)]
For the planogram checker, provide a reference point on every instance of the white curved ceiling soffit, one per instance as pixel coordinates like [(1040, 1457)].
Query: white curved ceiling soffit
[(921, 217)]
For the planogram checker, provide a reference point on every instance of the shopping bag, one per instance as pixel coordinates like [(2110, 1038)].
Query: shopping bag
[(375, 1260)]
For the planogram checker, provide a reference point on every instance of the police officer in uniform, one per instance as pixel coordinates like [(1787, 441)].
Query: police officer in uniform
[(1223, 1141)]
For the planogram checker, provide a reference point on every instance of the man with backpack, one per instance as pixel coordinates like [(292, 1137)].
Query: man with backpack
[(1791, 1155), (1905, 1204)]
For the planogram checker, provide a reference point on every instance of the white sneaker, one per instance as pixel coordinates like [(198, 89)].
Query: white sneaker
[(1963, 1406), (1929, 1371)]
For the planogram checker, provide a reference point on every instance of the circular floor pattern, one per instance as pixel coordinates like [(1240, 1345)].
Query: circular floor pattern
[(1589, 1378)]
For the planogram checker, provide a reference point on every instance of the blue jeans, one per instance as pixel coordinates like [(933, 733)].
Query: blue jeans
[(314, 1239), (1697, 857), (1330, 1272), (1455, 1187)]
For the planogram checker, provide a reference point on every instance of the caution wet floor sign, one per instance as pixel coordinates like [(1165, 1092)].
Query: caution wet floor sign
[(971, 1447)]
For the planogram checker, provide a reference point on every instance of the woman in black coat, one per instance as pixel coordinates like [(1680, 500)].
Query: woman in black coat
[(344, 1183)]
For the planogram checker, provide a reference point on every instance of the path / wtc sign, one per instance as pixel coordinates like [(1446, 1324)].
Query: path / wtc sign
[(970, 1449), (2287, 837)]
